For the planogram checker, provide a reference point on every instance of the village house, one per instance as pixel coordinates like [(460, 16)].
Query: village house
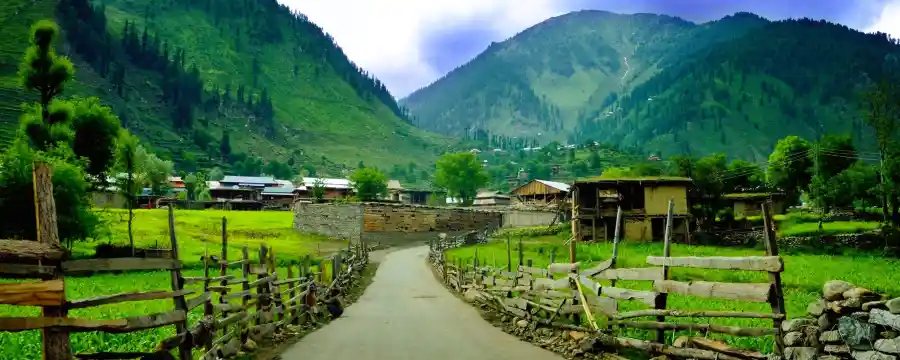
[(413, 196), (334, 188), (247, 188), (491, 198), (541, 191), (644, 202), (750, 204)]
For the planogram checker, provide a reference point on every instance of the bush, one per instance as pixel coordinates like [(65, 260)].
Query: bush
[(530, 231)]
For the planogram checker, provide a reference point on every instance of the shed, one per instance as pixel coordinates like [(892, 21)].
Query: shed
[(750, 204)]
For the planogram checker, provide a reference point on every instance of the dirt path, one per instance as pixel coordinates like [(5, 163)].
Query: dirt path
[(406, 314)]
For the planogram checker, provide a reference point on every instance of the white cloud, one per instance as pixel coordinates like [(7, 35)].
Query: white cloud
[(385, 37), (888, 21)]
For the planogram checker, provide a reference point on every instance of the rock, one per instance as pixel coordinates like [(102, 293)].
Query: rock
[(796, 324), (576, 335), (794, 338), (834, 289), (888, 345), (588, 344), (871, 355), (856, 333), (504, 318), (893, 305), (800, 353), (851, 304), (816, 308), (515, 319), (249, 346), (874, 305), (889, 334), (830, 337), (522, 323), (471, 295), (681, 341), (837, 349), (863, 294), (825, 322), (828, 357), (883, 317)]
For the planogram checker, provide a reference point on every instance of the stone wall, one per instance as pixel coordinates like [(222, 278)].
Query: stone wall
[(518, 218), (848, 322), (341, 221)]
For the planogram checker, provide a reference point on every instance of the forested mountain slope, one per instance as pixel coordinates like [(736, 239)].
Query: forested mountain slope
[(734, 85), (183, 74)]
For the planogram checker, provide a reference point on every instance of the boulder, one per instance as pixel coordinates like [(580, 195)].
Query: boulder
[(874, 305), (850, 304), (797, 324), (884, 317), (799, 353), (794, 338), (871, 355), (576, 335), (856, 333), (893, 305), (522, 323), (891, 346), (834, 289), (830, 337), (249, 346), (816, 308), (863, 294)]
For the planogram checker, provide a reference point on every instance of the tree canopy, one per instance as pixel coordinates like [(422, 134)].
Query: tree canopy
[(369, 183), (461, 175)]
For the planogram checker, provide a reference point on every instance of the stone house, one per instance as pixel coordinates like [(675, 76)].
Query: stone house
[(644, 203), (750, 204)]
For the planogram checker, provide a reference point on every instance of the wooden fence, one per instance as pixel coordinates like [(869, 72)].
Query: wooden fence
[(549, 295), (231, 318)]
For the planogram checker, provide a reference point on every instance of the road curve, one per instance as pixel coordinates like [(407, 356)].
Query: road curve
[(406, 314)]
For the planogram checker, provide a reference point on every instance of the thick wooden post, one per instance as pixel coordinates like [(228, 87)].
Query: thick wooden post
[(262, 301), (245, 284), (508, 255), (55, 342), (667, 251), (184, 350), (776, 296), (576, 228), (291, 293), (521, 253), (223, 268), (277, 301), (616, 239), (207, 306)]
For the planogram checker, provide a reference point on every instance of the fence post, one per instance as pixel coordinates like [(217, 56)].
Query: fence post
[(521, 253), (291, 293), (261, 293), (776, 297), (207, 306), (616, 239), (184, 350), (552, 254), (661, 299), (55, 342), (276, 295), (508, 255), (223, 268), (245, 284)]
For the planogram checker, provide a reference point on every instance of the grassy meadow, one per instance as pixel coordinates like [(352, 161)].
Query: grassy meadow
[(196, 230), (803, 278)]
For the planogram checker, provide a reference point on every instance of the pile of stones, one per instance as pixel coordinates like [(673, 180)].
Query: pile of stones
[(848, 322)]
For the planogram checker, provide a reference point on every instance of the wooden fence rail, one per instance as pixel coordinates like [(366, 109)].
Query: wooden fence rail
[(549, 295), (247, 309)]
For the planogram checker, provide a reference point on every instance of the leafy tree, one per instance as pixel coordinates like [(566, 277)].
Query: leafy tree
[(882, 113), (743, 175), (310, 170), (579, 168), (42, 70), (225, 146), (707, 176), (96, 130), (594, 159), (461, 174), (126, 159), (317, 190), (369, 184), (195, 186), (836, 153), (278, 170), (788, 167), (216, 174)]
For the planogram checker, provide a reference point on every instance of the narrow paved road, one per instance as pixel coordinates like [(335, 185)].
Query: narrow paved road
[(406, 314)]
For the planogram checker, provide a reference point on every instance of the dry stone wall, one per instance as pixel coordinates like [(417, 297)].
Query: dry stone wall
[(848, 322), (341, 221)]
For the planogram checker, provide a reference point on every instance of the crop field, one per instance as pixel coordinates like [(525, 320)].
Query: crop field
[(197, 231), (803, 278)]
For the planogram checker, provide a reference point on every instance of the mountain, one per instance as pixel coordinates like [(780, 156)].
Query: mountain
[(184, 76), (661, 84)]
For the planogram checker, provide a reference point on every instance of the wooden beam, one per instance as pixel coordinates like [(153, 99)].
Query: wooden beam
[(25, 270), (776, 300), (549, 284), (731, 330), (125, 297), (55, 344), (114, 355), (646, 297), (752, 263), (45, 293), (716, 314), (757, 292), (119, 264), (598, 268), (651, 274), (197, 301), (658, 348), (11, 250), (562, 268), (126, 325)]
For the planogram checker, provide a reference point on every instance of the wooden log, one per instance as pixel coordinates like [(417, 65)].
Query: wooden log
[(516, 302), (197, 280), (504, 282), (731, 291), (126, 297), (15, 250), (646, 297), (80, 325), (258, 270), (181, 326), (562, 268), (224, 308), (533, 271), (715, 314), (289, 281), (658, 348), (235, 263), (710, 344), (201, 299), (119, 264), (219, 289), (584, 303), (730, 330), (234, 318), (240, 295), (604, 305), (44, 293), (550, 294), (260, 332), (262, 281), (230, 348), (776, 300), (598, 268), (55, 343), (23, 270), (550, 284), (114, 355), (651, 274), (751, 263)]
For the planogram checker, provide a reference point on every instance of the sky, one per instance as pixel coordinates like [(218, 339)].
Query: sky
[(409, 44)]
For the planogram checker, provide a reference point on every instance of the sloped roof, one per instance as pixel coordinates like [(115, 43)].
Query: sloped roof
[(261, 180), (556, 185), (647, 179), (278, 190), (394, 185), (328, 183)]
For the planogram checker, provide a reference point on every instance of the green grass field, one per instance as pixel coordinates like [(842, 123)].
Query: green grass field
[(803, 278), (196, 230)]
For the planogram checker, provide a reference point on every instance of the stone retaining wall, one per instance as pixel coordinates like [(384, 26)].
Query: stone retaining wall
[(848, 322), (340, 221)]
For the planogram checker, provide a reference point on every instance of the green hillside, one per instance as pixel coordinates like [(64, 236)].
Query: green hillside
[(735, 85), (274, 81)]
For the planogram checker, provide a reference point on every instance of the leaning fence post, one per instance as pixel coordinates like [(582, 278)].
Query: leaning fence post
[(261, 293), (616, 239), (291, 293), (521, 253), (667, 251), (55, 342), (776, 297), (184, 350), (207, 306), (508, 255), (245, 285), (223, 269)]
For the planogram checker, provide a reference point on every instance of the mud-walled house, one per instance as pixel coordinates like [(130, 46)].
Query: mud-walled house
[(750, 204), (644, 202)]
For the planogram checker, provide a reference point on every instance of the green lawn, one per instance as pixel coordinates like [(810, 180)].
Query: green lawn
[(196, 230), (803, 277)]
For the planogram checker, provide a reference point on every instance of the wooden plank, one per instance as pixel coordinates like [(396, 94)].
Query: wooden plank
[(550, 284), (598, 268), (12, 250), (652, 274), (659, 348), (732, 291), (229, 307), (776, 301), (198, 300), (230, 320), (752, 263), (716, 314), (181, 326), (731, 330), (197, 280), (590, 284), (242, 294), (533, 270), (562, 268), (504, 282), (115, 355), (646, 297), (80, 325), (24, 270), (509, 274), (550, 294), (604, 305), (516, 302), (119, 264), (710, 344), (263, 281), (126, 297), (44, 293)]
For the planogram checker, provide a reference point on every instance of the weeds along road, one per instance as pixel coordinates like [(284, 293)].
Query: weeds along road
[(407, 314)]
